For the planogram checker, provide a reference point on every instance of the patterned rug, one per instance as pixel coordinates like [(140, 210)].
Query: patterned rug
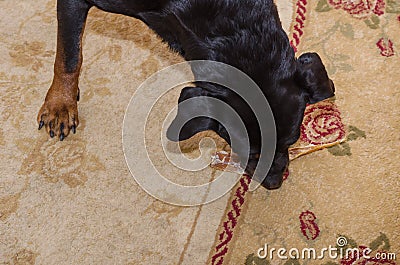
[(75, 202), (345, 197), (322, 127)]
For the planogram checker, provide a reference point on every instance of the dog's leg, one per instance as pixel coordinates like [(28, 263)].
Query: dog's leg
[(274, 178), (59, 113), (280, 163)]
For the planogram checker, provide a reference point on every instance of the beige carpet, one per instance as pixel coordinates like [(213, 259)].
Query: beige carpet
[(75, 202), (348, 192)]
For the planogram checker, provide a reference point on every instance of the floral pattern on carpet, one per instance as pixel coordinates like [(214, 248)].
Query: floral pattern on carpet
[(75, 202), (349, 188)]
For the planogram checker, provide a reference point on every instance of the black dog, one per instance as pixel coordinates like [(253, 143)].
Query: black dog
[(245, 34)]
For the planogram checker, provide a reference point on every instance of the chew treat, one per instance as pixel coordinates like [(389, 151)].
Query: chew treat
[(322, 127), (225, 161)]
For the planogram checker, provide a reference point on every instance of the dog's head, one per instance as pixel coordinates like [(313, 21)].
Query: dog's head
[(192, 118), (311, 75), (223, 112), (308, 83)]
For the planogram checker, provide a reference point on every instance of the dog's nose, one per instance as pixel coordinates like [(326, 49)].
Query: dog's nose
[(305, 59), (308, 58)]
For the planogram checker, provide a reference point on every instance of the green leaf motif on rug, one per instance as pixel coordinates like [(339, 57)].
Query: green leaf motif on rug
[(254, 260), (355, 133), (340, 64), (373, 22), (323, 6), (347, 30), (345, 67), (292, 262), (393, 6), (344, 149), (330, 263), (340, 57), (381, 242)]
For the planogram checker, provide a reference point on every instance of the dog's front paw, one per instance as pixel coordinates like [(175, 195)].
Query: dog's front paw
[(274, 178), (272, 182), (59, 114)]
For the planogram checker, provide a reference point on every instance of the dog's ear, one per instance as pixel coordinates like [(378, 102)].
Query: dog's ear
[(184, 125), (311, 75)]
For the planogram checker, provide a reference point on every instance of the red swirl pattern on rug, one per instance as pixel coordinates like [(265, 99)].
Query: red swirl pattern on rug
[(360, 8), (232, 217), (300, 18), (225, 237), (322, 124), (386, 47), (308, 226)]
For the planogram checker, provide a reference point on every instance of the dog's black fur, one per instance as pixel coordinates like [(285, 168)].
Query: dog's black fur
[(245, 34)]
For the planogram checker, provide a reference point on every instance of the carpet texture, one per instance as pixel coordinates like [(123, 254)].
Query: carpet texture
[(347, 196), (75, 202), (322, 127)]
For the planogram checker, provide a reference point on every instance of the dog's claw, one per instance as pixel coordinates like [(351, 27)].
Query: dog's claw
[(78, 97), (59, 111), (73, 129), (41, 124), (62, 136)]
